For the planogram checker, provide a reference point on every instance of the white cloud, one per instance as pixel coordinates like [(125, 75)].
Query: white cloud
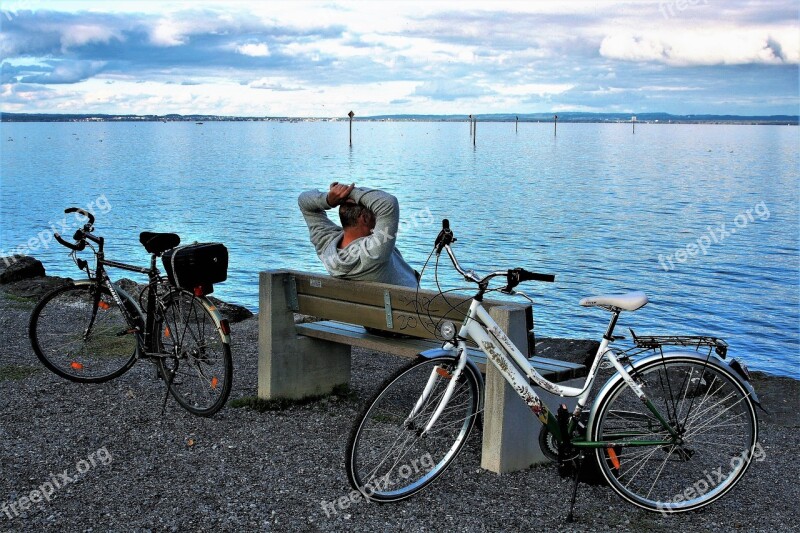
[(167, 33), (82, 34), (528, 89), (253, 50), (730, 46)]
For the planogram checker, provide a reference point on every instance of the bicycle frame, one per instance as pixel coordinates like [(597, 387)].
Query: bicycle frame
[(501, 351), (146, 337)]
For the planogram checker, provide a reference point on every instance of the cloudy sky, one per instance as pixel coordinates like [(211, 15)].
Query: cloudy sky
[(322, 59)]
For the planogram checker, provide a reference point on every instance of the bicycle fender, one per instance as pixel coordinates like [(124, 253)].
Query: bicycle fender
[(441, 352), (220, 323), (712, 360)]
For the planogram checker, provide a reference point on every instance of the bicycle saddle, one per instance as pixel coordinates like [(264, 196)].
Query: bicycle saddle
[(626, 302), (156, 243)]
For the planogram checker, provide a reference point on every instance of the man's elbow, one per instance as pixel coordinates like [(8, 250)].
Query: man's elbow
[(307, 201)]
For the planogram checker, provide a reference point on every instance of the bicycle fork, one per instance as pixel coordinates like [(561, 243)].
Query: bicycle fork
[(436, 374)]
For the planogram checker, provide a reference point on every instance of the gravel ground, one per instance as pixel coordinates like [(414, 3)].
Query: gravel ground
[(245, 470)]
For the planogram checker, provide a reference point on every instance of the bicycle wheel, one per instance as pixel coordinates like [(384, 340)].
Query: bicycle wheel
[(79, 340), (196, 357), (711, 412), (387, 459)]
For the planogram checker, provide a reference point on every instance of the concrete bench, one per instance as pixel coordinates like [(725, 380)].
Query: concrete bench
[(303, 359)]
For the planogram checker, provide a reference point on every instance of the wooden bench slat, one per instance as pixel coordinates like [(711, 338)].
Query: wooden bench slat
[(406, 302), (355, 335), (366, 315)]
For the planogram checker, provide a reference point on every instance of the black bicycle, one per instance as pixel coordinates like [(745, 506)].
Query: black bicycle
[(91, 331)]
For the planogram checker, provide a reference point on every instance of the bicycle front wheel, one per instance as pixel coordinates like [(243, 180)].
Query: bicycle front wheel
[(81, 334), (195, 354), (388, 458), (717, 435)]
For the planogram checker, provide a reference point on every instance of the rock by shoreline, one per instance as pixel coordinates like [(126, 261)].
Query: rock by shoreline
[(25, 277)]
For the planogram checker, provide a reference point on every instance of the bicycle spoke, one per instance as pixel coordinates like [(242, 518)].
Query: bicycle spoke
[(714, 421)]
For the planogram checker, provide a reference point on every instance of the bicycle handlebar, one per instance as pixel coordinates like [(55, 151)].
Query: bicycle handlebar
[(77, 247), (445, 237), (80, 235), (514, 276), (83, 212)]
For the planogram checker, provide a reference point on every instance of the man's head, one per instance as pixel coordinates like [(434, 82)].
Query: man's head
[(355, 216)]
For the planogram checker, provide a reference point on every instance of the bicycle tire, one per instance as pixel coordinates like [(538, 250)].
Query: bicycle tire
[(711, 411), (195, 356), (58, 330), (417, 462)]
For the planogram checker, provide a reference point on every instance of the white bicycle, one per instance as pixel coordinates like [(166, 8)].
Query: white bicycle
[(663, 421)]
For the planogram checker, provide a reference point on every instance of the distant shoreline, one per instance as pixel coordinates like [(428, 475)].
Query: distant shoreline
[(572, 117)]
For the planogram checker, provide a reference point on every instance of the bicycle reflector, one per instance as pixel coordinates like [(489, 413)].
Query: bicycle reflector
[(447, 330)]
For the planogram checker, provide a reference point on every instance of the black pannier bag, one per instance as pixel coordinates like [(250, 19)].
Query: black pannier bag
[(196, 267)]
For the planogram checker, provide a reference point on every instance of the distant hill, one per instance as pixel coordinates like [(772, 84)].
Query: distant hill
[(495, 117)]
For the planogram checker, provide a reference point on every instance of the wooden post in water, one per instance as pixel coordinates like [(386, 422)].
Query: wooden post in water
[(555, 125), (516, 125), (351, 115), (474, 129), (470, 126), (633, 123)]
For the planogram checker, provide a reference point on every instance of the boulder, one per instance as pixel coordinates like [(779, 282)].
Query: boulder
[(19, 267), (234, 313), (35, 288)]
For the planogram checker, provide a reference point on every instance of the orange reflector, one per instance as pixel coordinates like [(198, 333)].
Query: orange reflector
[(76, 365), (214, 382), (613, 456), (103, 305), (444, 373), (166, 331)]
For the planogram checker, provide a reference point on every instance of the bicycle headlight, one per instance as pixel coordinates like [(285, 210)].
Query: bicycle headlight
[(448, 330)]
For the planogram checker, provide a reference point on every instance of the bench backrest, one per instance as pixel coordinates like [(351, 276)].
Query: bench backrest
[(378, 305)]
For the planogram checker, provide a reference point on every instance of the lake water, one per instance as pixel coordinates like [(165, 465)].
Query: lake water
[(704, 218)]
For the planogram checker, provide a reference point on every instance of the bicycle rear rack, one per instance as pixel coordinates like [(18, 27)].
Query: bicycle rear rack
[(655, 342)]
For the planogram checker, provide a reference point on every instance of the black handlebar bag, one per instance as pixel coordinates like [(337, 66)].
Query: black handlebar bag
[(197, 267)]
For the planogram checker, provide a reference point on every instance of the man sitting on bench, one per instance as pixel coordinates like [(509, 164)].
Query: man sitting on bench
[(363, 248)]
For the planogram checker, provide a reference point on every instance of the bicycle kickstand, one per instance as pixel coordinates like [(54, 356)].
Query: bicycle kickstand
[(166, 393), (575, 479)]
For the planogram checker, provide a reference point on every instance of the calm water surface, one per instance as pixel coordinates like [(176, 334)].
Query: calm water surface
[(596, 205)]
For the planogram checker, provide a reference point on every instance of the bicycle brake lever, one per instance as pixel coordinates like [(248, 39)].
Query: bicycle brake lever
[(520, 293)]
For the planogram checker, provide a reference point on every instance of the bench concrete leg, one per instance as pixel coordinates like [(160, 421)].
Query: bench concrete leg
[(291, 365), (510, 430)]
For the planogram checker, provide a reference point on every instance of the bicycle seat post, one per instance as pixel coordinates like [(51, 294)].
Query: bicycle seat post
[(609, 334)]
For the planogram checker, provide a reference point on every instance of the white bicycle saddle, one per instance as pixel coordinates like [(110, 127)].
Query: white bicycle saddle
[(627, 302)]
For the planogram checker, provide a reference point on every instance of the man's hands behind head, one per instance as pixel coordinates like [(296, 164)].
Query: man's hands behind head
[(339, 193)]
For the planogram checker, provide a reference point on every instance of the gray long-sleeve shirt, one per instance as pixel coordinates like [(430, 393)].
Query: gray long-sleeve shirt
[(371, 258)]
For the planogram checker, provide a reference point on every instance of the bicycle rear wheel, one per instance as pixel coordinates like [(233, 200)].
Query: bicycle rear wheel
[(196, 357), (387, 458), (713, 416), (82, 334)]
